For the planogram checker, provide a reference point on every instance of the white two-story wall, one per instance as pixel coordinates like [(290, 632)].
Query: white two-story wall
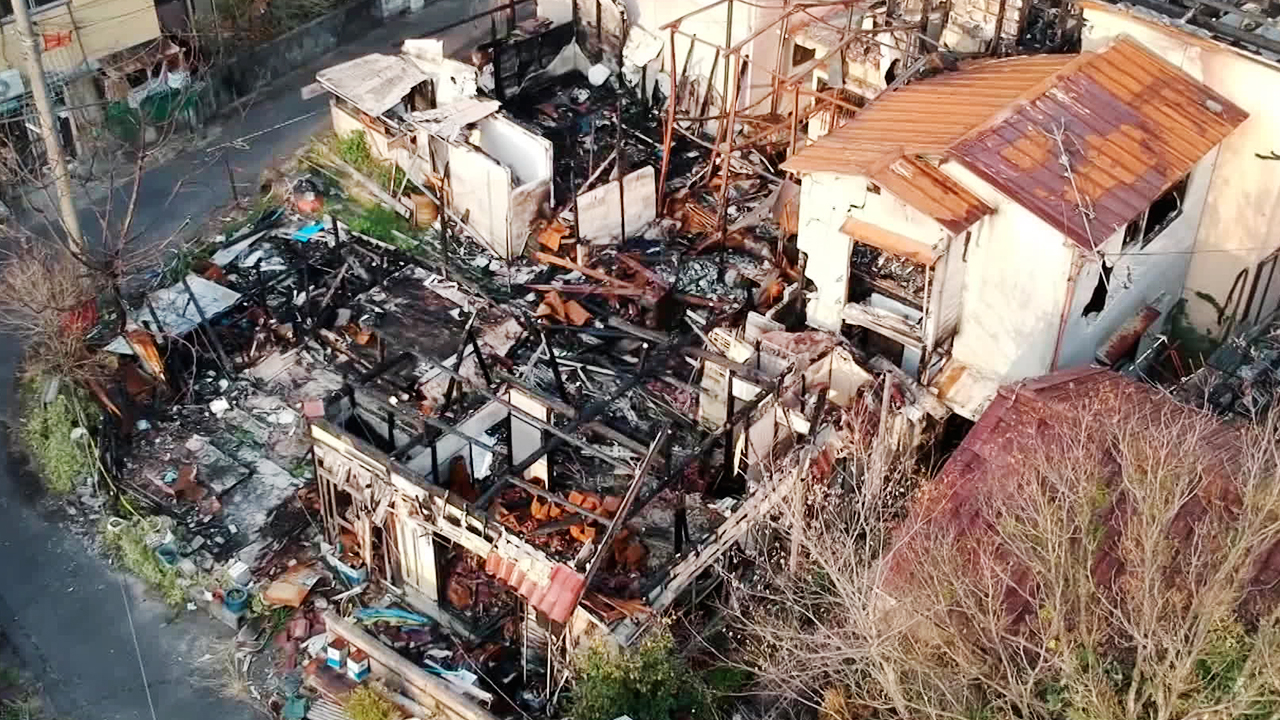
[(1004, 220)]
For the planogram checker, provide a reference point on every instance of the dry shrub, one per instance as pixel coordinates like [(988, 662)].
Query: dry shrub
[(48, 299), (367, 703), (1121, 565)]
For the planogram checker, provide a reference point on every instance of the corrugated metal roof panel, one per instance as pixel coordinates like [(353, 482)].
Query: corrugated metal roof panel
[(1129, 124), (556, 597), (374, 83), (931, 191), (927, 116), (1094, 150)]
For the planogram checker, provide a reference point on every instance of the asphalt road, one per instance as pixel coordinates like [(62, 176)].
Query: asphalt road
[(176, 198), (100, 645)]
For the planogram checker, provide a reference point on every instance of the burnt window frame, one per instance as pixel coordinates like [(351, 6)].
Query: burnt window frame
[(1140, 232)]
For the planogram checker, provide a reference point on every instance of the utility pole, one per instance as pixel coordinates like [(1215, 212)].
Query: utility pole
[(48, 126)]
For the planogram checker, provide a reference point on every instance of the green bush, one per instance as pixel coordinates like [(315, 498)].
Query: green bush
[(354, 150), (128, 546), (46, 433), (647, 682)]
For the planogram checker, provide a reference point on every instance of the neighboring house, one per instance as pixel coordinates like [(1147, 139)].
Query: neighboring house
[(1004, 220), (76, 37), (1232, 278)]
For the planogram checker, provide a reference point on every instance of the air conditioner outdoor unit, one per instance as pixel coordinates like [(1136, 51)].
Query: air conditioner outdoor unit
[(10, 84)]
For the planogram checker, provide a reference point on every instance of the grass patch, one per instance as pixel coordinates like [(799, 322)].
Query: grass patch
[(184, 258), (46, 434), (366, 703), (380, 223), (27, 708), (353, 149), (128, 546)]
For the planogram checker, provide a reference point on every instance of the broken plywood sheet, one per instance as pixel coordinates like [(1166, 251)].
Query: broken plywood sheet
[(218, 472), (176, 311), (600, 210), (964, 389), (446, 122), (482, 190), (527, 437), (250, 504), (840, 374)]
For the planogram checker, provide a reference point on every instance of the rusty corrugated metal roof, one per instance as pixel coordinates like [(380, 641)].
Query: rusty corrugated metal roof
[(551, 589), (924, 187), (1130, 124), (928, 116)]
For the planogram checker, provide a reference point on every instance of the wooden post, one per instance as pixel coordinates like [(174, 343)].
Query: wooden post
[(795, 117), (668, 131), (621, 153), (797, 511)]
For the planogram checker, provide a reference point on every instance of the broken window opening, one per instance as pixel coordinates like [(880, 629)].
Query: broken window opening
[(892, 72), (895, 277), (1163, 211), (801, 54), (1098, 300)]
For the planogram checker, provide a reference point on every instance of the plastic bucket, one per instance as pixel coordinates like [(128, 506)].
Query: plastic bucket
[(168, 554), (236, 600)]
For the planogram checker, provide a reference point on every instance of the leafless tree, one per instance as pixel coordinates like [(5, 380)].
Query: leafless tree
[(1122, 565), (51, 286)]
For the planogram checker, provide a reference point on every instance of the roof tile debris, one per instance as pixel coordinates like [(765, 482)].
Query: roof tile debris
[(556, 596)]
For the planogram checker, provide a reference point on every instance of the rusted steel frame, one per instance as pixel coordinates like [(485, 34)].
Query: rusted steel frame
[(759, 120), (620, 517), (795, 117), (782, 44), (827, 98), (853, 36), (705, 104), (669, 129), (676, 23), (699, 141), (590, 289), (728, 150), (757, 33)]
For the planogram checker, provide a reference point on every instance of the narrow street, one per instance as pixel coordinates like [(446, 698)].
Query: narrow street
[(71, 618), (187, 188)]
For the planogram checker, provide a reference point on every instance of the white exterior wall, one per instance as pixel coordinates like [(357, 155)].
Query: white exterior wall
[(1240, 225), (1138, 278), (710, 26), (1014, 289), (1018, 271), (826, 199)]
